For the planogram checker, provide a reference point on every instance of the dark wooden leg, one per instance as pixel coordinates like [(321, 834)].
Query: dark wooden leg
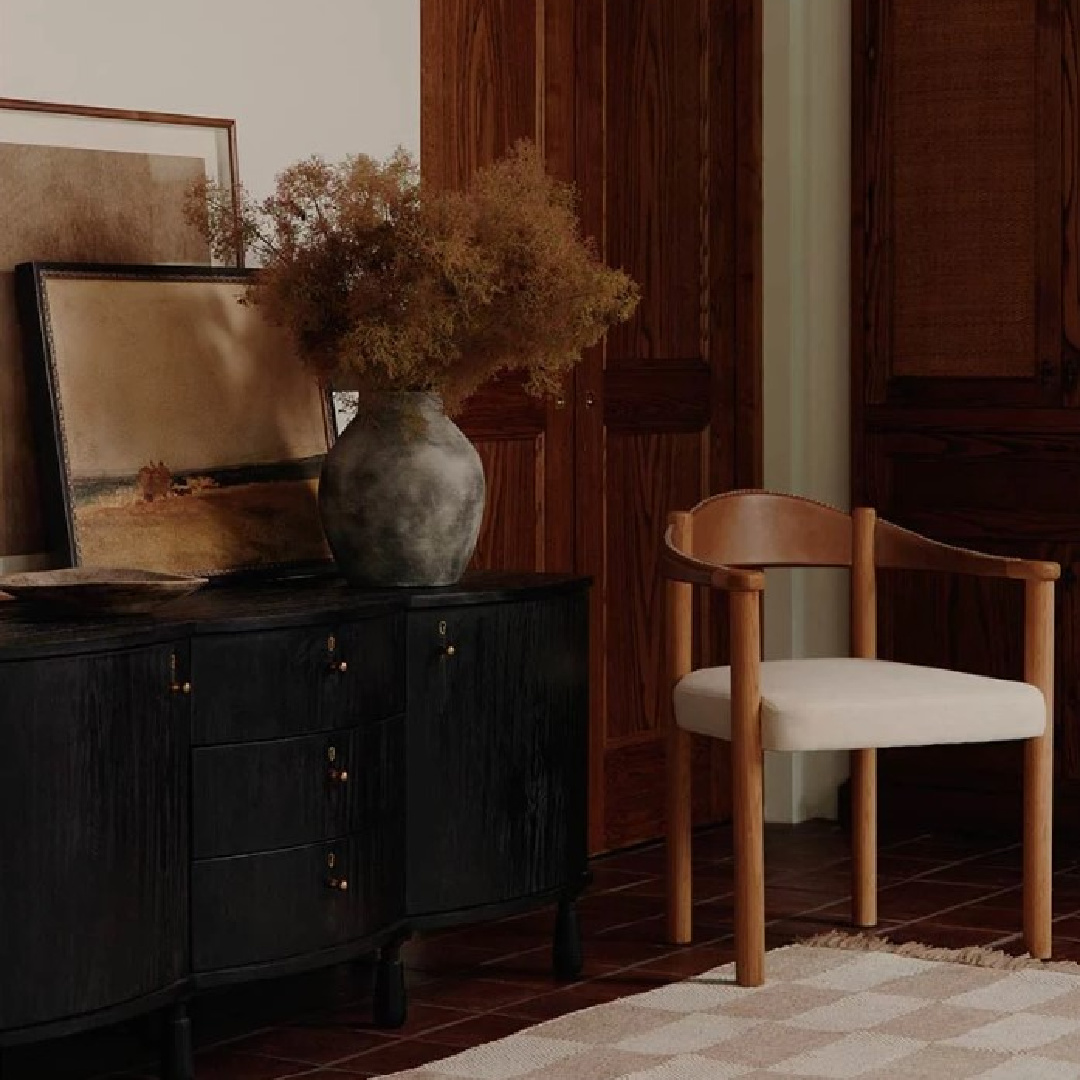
[(177, 1056), (389, 1005), (566, 954)]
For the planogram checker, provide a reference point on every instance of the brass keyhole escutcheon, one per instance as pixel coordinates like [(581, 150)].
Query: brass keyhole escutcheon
[(331, 860), (331, 753), (442, 628)]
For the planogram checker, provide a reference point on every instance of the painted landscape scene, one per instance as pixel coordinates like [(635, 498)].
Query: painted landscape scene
[(188, 523), (192, 435)]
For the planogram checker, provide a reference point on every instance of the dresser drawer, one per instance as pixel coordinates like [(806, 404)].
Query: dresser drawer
[(260, 796), (271, 684), (250, 909)]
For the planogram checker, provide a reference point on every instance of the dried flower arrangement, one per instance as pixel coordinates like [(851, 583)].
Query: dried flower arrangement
[(388, 284)]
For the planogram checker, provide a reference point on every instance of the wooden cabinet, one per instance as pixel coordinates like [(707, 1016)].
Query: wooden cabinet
[(269, 778), (667, 410), (965, 348)]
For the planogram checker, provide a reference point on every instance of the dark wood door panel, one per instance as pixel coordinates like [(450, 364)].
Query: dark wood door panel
[(976, 625), (974, 483), (93, 838), (492, 71), (513, 473), (478, 83), (957, 246), (497, 730)]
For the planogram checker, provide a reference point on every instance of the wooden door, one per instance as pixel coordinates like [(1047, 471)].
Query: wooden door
[(652, 107), (658, 428), (965, 339)]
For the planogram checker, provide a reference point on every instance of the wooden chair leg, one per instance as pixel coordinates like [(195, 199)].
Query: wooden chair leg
[(864, 838), (1039, 771), (679, 875), (747, 769), (1038, 823)]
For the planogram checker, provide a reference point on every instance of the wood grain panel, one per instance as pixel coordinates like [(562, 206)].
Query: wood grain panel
[(479, 90), (1070, 175), (511, 538), (964, 213), (648, 476), (956, 245), (657, 157), (95, 848), (491, 71), (977, 626)]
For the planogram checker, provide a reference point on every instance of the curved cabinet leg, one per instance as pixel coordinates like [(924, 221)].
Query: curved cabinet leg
[(566, 955), (389, 1004), (177, 1056)]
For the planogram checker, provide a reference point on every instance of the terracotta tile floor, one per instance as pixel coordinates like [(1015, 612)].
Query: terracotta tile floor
[(471, 985)]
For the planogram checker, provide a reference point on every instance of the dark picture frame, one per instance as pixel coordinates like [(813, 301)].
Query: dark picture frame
[(175, 427)]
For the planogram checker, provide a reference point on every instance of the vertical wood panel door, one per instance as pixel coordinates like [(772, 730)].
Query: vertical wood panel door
[(652, 108), (965, 341), (657, 424)]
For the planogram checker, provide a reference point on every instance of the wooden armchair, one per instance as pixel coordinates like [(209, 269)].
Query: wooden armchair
[(856, 703)]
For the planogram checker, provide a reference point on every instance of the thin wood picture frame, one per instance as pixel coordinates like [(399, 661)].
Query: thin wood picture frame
[(89, 127), (175, 427)]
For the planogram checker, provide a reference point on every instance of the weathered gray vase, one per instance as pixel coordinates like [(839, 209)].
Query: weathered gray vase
[(401, 495)]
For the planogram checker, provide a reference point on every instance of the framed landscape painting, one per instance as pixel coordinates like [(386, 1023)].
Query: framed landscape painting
[(178, 428)]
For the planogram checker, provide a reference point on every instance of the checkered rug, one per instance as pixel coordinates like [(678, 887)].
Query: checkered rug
[(824, 1012)]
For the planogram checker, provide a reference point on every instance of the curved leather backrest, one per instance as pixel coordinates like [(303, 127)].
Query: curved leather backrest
[(763, 528)]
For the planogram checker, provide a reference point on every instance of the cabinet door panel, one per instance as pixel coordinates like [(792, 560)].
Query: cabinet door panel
[(93, 828), (497, 732)]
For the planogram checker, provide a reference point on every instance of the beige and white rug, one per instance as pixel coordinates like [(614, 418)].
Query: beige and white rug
[(837, 1007)]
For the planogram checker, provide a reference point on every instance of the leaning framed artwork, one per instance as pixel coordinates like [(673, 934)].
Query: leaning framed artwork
[(177, 428), (85, 184)]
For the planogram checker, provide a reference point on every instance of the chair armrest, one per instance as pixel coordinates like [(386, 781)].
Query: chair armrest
[(675, 564), (901, 549)]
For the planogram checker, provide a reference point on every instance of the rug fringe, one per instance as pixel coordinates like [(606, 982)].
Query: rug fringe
[(973, 955)]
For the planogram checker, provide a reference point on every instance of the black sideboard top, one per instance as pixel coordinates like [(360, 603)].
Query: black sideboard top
[(252, 605)]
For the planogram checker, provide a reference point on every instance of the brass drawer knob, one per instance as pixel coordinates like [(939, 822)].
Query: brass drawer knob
[(339, 776), (450, 650), (340, 666), (180, 688), (338, 884)]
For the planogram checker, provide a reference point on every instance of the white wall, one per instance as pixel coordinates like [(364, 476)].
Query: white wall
[(317, 76), (806, 237)]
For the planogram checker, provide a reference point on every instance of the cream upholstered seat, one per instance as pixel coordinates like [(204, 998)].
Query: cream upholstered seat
[(857, 703), (846, 704)]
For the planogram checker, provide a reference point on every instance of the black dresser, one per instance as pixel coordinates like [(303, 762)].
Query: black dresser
[(272, 777)]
